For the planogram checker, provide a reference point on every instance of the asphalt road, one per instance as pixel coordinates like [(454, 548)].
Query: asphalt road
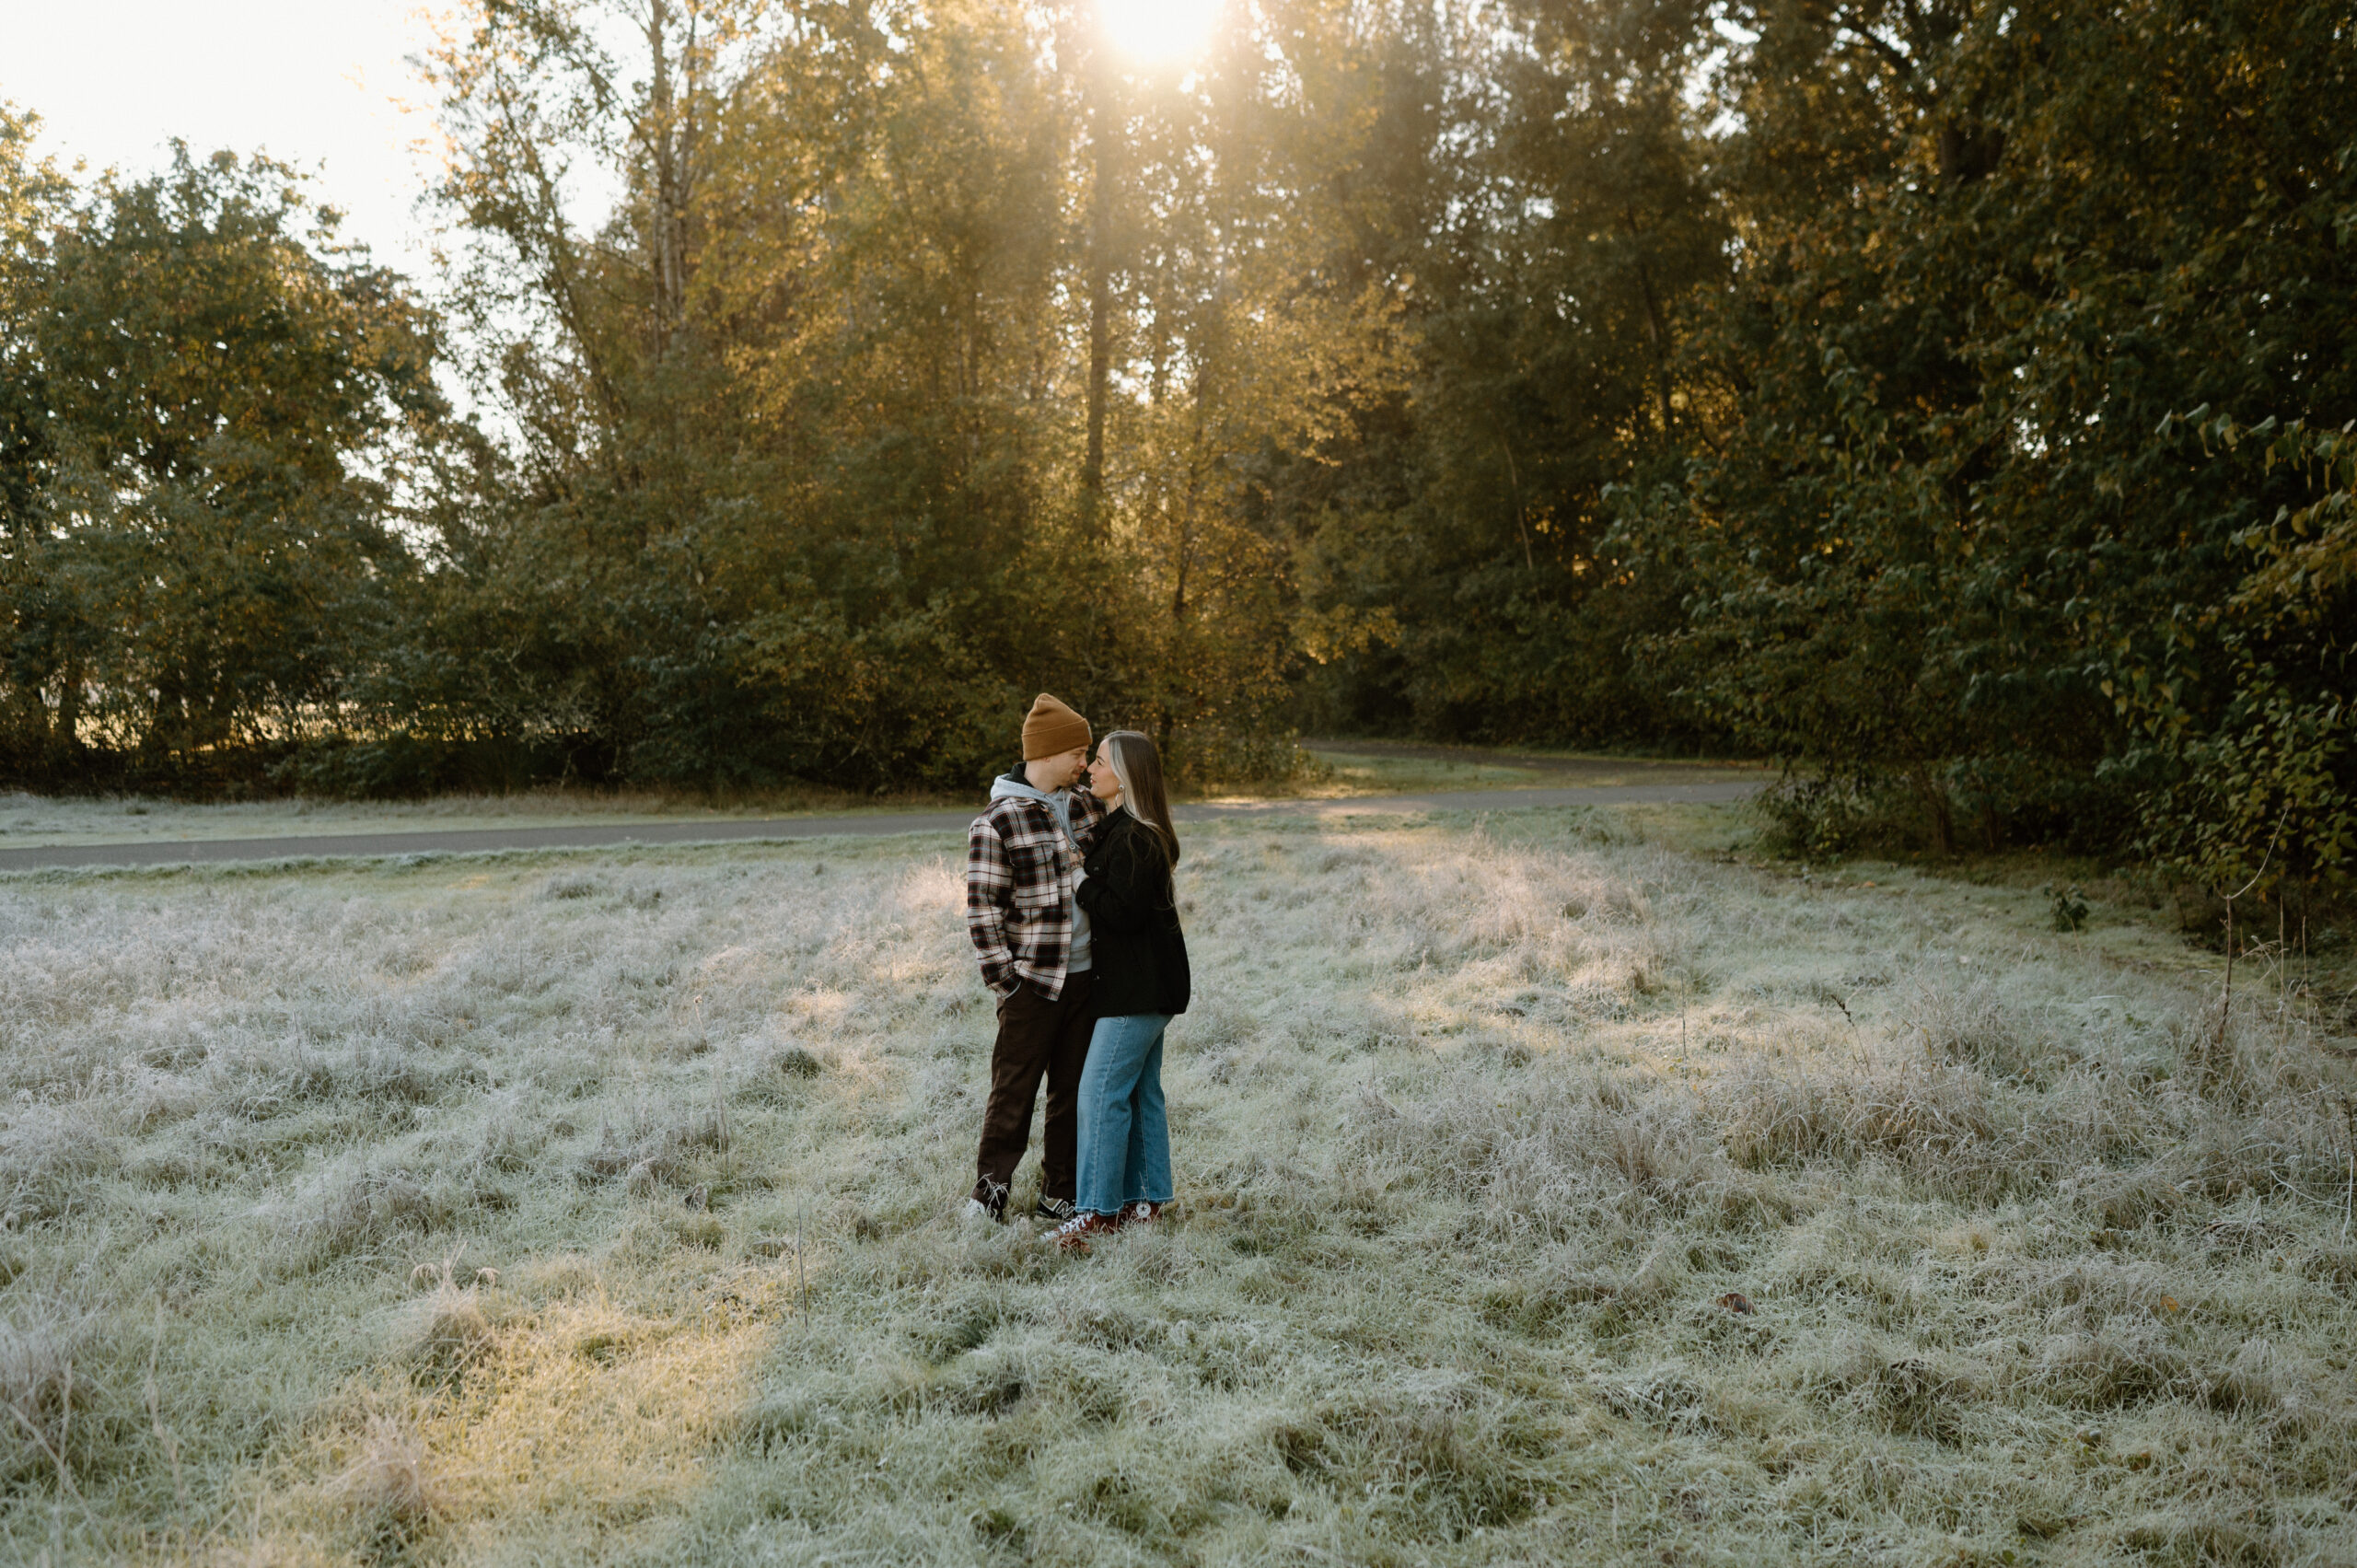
[(1556, 770), (590, 834)]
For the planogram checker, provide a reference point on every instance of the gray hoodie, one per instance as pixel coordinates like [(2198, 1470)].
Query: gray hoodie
[(1059, 805)]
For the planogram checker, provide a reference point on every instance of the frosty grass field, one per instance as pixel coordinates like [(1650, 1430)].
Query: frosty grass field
[(604, 1208)]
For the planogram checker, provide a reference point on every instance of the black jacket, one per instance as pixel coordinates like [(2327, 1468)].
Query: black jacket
[(1140, 953)]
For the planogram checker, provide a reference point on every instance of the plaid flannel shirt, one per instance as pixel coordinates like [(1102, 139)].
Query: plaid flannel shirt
[(1019, 890)]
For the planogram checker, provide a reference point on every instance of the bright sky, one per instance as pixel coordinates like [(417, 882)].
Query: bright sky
[(1154, 31), (316, 84)]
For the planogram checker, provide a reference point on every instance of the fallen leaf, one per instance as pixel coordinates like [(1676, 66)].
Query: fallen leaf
[(2169, 1304), (1736, 1302)]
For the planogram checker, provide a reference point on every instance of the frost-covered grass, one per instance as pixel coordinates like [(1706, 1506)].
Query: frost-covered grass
[(31, 820), (604, 1208), (1341, 773)]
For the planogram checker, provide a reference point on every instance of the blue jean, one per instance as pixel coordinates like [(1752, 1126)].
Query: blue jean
[(1124, 1133)]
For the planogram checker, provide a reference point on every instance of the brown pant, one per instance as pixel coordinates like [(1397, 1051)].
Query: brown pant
[(1037, 1037)]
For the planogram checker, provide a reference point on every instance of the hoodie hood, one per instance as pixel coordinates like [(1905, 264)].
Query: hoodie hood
[(1013, 784)]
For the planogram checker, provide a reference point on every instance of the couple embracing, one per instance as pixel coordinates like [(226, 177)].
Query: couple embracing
[(1072, 907)]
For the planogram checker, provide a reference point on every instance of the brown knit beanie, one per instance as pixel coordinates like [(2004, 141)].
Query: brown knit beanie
[(1050, 727)]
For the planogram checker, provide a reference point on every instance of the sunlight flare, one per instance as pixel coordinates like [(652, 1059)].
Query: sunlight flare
[(1153, 31)]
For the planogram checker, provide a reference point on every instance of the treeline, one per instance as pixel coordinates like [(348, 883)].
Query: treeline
[(1949, 398)]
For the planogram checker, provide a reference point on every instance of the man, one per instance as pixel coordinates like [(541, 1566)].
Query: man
[(1022, 857)]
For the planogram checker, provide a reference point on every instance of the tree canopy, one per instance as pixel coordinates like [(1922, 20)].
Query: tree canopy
[(1949, 398)]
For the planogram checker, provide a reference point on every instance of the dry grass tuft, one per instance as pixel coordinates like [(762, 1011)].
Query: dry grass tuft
[(49, 1154), (447, 1331), (389, 1491), (41, 1336)]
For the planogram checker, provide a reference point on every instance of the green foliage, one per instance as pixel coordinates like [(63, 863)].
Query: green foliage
[(2265, 787), (214, 403), (799, 487), (1945, 538), (1569, 237)]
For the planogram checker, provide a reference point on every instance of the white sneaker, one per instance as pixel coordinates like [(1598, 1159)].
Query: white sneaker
[(991, 1206)]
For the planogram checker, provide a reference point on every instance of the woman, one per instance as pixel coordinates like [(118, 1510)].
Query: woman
[(1141, 983)]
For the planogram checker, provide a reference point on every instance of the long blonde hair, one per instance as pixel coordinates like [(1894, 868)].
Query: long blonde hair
[(1138, 765)]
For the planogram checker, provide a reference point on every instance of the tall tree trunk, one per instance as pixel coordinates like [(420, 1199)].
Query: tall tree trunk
[(1188, 510), (670, 149), (1105, 164), (1521, 526), (1656, 329)]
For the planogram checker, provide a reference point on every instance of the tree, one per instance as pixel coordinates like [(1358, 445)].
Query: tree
[(1984, 252), (39, 725), (1544, 191), (871, 485), (202, 553)]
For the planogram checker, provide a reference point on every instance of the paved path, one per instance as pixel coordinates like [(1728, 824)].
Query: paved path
[(1555, 769), (591, 834)]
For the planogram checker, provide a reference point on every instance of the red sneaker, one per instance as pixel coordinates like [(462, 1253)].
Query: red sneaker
[(1139, 1213), (1074, 1234)]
